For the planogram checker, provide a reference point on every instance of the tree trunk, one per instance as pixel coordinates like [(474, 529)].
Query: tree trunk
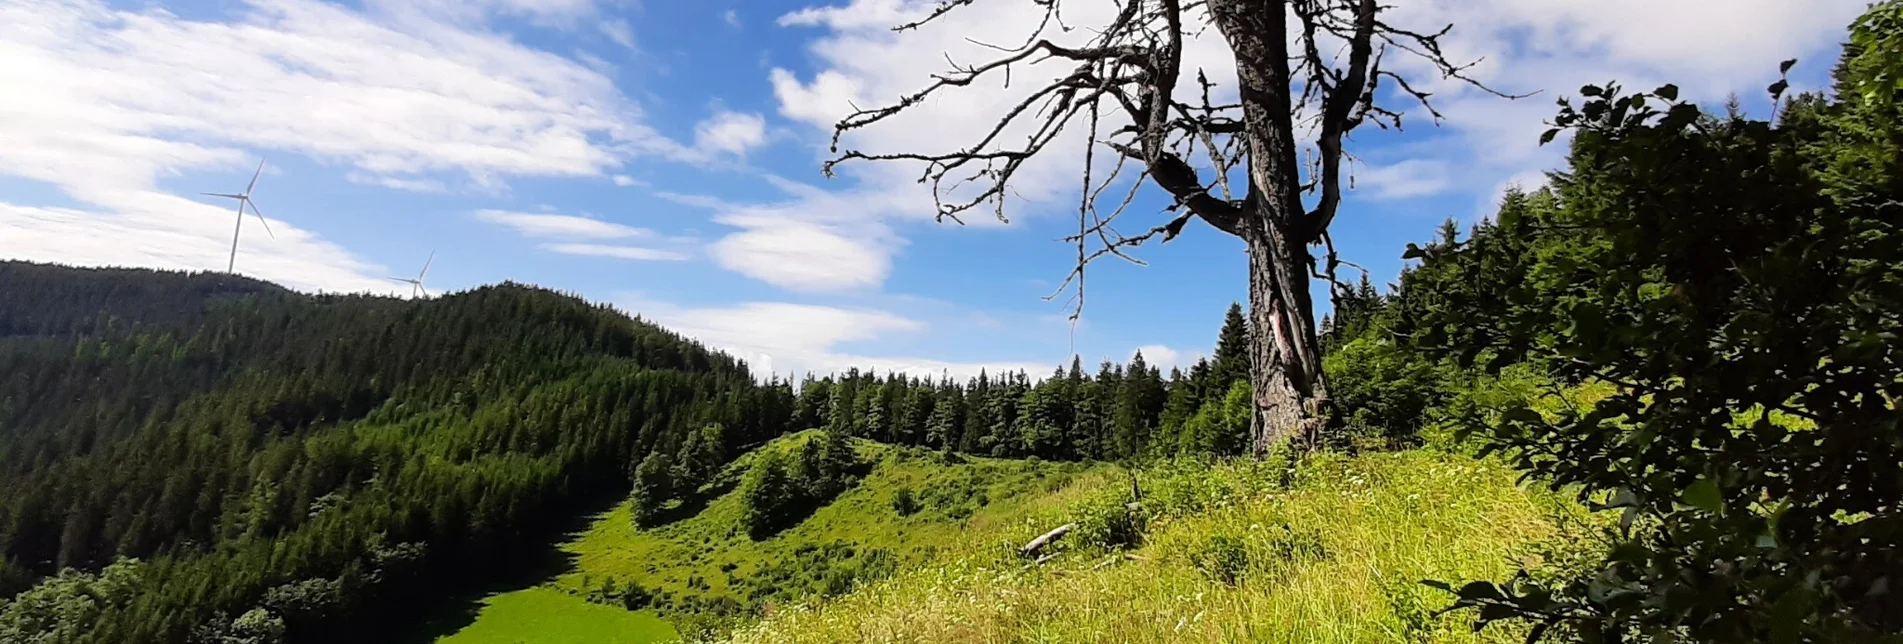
[(1285, 356)]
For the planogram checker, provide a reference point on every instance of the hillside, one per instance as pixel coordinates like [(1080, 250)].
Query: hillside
[(1332, 550), (704, 572), (262, 461)]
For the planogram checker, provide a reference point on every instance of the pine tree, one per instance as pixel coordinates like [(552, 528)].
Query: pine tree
[(1232, 350)]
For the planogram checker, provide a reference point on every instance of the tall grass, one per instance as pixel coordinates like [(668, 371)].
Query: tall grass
[(1331, 550)]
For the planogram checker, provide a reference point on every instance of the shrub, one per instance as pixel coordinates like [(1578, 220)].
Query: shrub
[(1223, 558), (904, 503)]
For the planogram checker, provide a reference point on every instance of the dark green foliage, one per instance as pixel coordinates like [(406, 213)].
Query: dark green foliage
[(1383, 393), (1125, 412), (1221, 426), (904, 502), (313, 456), (653, 486), (1231, 362), (1743, 291), (768, 497), (781, 489)]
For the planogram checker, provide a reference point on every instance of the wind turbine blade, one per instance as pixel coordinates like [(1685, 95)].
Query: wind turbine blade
[(401, 279), (254, 208), (220, 194), (426, 263), (254, 177), (424, 290)]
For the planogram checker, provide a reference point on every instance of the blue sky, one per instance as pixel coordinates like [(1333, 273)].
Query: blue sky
[(665, 156)]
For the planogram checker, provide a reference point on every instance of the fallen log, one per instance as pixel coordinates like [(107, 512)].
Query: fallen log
[(1039, 543)]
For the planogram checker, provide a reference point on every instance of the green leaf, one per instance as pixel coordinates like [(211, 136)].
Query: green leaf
[(1777, 89), (1785, 67), (1668, 92), (1548, 136), (1704, 495), (1787, 615), (1591, 90)]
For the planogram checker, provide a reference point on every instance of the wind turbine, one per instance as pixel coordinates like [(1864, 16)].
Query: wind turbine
[(244, 199), (416, 285)]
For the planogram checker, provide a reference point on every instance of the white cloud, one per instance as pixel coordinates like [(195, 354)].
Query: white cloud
[(398, 183), (863, 63), (1165, 358), (1406, 179), (617, 252), (567, 226), (802, 256), (813, 241), (781, 337), (620, 32), (625, 181), (157, 230), (731, 17), (730, 132), (1709, 46), (103, 102), (580, 233)]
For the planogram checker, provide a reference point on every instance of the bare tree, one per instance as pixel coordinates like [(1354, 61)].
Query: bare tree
[(1124, 86)]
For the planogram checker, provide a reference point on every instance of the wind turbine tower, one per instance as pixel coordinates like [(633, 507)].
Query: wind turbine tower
[(244, 200), (416, 285)]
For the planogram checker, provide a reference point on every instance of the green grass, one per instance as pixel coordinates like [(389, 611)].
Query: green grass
[(705, 571), (1231, 553), (1330, 551), (545, 616), (858, 536)]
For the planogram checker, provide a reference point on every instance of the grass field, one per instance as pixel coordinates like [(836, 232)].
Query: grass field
[(861, 535), (1231, 553), (1332, 550), (546, 616), (705, 571)]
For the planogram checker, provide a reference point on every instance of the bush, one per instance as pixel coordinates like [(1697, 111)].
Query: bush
[(1111, 522), (904, 503), (1223, 558)]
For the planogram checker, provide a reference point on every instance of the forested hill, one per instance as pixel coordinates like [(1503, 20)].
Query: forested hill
[(263, 460)]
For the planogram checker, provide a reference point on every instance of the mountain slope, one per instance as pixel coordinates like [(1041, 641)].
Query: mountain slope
[(289, 462)]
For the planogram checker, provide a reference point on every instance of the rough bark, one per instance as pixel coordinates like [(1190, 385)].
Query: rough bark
[(1285, 360), (1285, 364)]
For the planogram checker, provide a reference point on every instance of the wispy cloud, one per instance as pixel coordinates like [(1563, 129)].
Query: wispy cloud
[(813, 241), (617, 252), (730, 132), (1407, 179), (101, 102), (620, 32), (564, 226), (783, 337)]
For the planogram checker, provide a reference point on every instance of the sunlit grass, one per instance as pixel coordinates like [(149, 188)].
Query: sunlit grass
[(1336, 556), (545, 616)]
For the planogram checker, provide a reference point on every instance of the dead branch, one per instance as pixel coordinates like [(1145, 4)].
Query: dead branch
[(1128, 70), (1048, 537)]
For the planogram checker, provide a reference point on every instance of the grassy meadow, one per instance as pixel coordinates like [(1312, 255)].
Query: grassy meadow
[(1330, 551), (545, 616)]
